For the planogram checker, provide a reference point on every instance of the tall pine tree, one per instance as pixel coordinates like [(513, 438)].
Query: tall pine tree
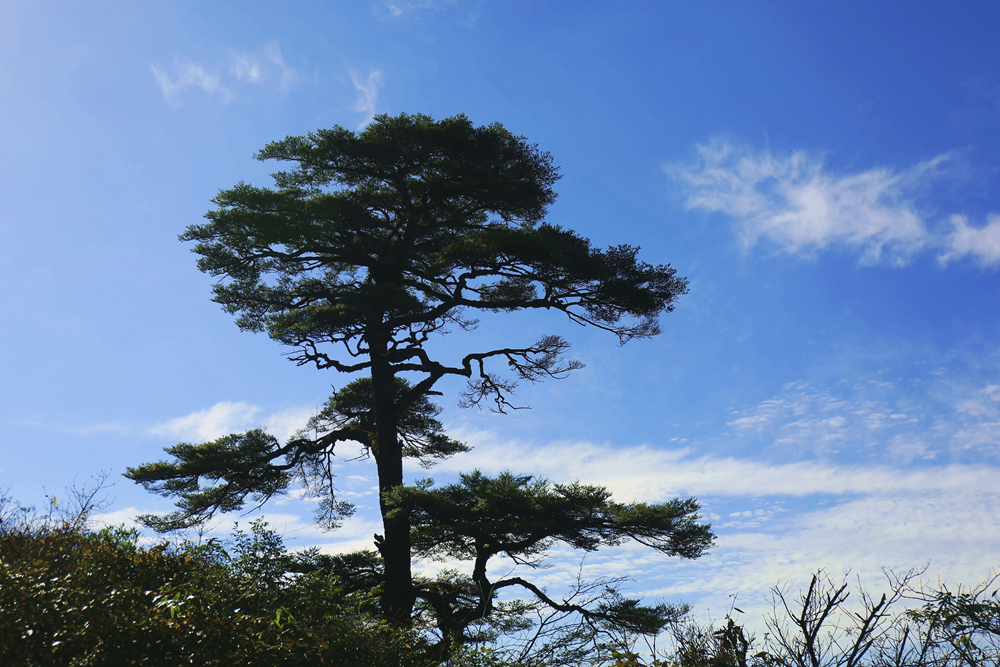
[(372, 242)]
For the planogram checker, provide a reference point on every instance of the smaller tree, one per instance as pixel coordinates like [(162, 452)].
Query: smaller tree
[(816, 631), (819, 627), (964, 623), (480, 518)]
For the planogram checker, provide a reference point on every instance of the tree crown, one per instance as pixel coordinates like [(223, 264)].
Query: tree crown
[(373, 241), (520, 517)]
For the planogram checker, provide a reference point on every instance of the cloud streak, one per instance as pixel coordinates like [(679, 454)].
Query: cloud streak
[(862, 535), (863, 475), (367, 90), (399, 8), (877, 420), (223, 80), (795, 203), (644, 472)]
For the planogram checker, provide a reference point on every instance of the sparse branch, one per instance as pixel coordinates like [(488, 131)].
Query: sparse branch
[(823, 633), (254, 465), (564, 606), (541, 360), (250, 464)]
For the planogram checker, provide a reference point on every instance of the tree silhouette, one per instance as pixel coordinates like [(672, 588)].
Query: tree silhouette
[(373, 242)]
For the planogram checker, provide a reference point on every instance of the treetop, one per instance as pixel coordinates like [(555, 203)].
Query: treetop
[(373, 241)]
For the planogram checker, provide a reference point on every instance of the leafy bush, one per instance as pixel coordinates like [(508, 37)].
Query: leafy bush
[(69, 596)]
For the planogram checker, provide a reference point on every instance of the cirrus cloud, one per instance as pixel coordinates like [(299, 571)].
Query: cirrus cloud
[(800, 206)]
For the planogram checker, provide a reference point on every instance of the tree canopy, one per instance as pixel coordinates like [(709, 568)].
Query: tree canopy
[(373, 242)]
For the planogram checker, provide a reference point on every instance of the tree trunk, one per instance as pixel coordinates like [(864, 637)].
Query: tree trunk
[(397, 594)]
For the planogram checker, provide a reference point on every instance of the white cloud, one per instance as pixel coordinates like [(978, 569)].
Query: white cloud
[(367, 90), (782, 522), (263, 67), (981, 243), (356, 534), (221, 419), (822, 422), (108, 428), (126, 516), (982, 436), (284, 423), (903, 494), (907, 448), (862, 535), (776, 521), (926, 418), (228, 417), (796, 203), (201, 425)]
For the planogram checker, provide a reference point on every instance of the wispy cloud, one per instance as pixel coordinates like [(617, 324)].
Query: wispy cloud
[(123, 517), (367, 90), (208, 423), (187, 75), (223, 80), (396, 9), (924, 418), (107, 428), (862, 535), (245, 68), (859, 474), (776, 520), (796, 203), (849, 417), (287, 75)]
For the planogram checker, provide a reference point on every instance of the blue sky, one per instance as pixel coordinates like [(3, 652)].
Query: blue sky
[(824, 173)]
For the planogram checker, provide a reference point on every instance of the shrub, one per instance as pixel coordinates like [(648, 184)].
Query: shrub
[(70, 596)]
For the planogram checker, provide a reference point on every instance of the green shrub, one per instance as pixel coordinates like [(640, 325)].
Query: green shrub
[(69, 596)]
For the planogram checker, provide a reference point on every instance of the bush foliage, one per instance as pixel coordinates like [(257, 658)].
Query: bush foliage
[(70, 596)]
